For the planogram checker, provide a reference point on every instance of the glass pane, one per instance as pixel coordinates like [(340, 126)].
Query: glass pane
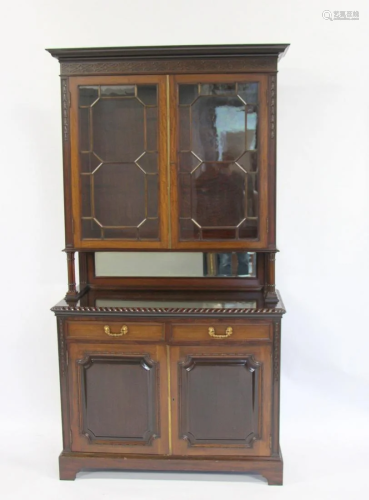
[(118, 90), (90, 229), (151, 129), (150, 229), (219, 234), (152, 195), (118, 134), (218, 195), (249, 162), (118, 129), (89, 162), (147, 94), (248, 229), (217, 149), (84, 129), (252, 196), (203, 304), (119, 194), (248, 92), (174, 264), (185, 128), (218, 89), (185, 195), (187, 94), (86, 196), (218, 128), (189, 230), (88, 95), (129, 233), (188, 162), (149, 162), (251, 134)]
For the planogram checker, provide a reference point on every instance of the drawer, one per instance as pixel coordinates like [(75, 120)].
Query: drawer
[(225, 332), (115, 330)]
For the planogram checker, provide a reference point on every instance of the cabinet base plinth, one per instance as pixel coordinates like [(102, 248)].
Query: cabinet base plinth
[(72, 462)]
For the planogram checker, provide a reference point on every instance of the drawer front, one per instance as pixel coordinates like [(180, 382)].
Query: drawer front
[(213, 331), (115, 330)]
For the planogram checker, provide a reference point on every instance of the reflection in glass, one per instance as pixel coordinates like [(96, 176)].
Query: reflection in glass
[(218, 128), (218, 161), (118, 90), (248, 92), (217, 88), (218, 195), (208, 304), (175, 264)]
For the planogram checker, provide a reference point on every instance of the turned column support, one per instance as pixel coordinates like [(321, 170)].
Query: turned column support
[(269, 287), (72, 290)]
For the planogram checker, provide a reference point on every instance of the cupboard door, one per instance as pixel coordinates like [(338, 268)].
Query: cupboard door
[(219, 161), (116, 404), (221, 400), (119, 161)]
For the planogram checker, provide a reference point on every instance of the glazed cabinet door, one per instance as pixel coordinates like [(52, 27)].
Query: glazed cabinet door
[(119, 161), (219, 161), (115, 401), (221, 400)]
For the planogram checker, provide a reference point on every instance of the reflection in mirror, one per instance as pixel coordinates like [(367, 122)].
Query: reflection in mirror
[(177, 303), (176, 264)]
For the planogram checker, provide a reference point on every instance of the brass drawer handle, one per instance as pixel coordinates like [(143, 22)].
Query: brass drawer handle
[(123, 331), (228, 333)]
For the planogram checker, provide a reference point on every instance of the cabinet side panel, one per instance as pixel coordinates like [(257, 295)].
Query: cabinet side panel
[(64, 392), (276, 387)]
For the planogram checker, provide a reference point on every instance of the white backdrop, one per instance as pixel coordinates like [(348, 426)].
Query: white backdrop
[(322, 270)]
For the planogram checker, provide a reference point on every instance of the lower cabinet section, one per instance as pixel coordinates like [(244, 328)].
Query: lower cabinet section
[(220, 400), (119, 398), (171, 400)]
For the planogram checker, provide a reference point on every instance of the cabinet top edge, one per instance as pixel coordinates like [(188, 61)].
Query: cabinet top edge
[(260, 309), (174, 51)]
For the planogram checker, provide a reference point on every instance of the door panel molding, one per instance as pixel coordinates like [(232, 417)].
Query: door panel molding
[(118, 398), (232, 383)]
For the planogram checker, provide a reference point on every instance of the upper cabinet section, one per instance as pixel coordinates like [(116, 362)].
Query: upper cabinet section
[(169, 147)]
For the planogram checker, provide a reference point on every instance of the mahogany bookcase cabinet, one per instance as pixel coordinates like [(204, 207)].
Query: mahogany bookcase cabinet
[(169, 156)]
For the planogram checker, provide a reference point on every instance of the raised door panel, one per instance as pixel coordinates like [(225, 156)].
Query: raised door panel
[(221, 400), (219, 161), (119, 161), (118, 401)]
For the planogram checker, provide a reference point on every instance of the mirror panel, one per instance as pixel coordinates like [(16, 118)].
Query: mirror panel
[(176, 264)]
